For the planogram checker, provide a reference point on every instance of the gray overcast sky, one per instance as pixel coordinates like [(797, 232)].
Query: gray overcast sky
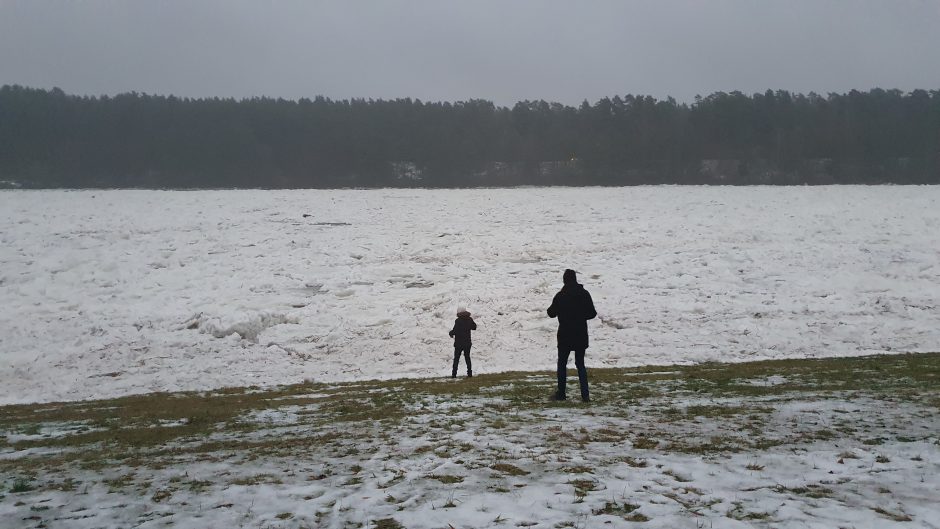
[(501, 50)]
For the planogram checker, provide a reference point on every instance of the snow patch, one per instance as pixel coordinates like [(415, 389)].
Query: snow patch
[(246, 326), (773, 380)]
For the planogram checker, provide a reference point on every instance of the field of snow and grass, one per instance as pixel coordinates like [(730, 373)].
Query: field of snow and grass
[(827, 443), (107, 293)]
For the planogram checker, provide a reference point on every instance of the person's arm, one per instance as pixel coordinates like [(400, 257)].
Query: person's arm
[(553, 310), (451, 333), (473, 325), (590, 311)]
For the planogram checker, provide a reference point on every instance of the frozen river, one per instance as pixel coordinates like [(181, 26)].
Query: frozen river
[(105, 293)]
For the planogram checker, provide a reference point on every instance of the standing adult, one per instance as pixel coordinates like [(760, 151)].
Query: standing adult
[(461, 335), (574, 307)]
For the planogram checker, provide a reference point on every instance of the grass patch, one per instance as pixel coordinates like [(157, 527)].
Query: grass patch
[(645, 443), (30, 429), (739, 513), (578, 469), (714, 444), (198, 486), (810, 491), (321, 422), (510, 470), (635, 462), (443, 478), (256, 479), (21, 485), (607, 435), (721, 411), (66, 485), (676, 476), (161, 495), (894, 516), (616, 509), (583, 485), (119, 483)]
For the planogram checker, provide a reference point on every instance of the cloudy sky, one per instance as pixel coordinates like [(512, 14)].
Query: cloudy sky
[(501, 50)]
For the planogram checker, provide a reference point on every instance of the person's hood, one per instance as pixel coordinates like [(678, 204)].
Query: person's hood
[(570, 277)]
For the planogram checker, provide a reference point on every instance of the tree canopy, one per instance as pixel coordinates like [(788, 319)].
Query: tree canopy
[(52, 139)]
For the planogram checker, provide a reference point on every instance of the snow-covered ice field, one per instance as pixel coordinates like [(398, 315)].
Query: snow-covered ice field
[(105, 293)]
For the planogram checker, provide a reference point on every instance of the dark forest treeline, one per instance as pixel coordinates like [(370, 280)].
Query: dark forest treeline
[(51, 139)]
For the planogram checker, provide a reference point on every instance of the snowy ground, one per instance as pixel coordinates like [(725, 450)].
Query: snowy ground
[(108, 293), (799, 444)]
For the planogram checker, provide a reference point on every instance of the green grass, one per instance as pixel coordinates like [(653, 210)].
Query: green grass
[(21, 485), (155, 430)]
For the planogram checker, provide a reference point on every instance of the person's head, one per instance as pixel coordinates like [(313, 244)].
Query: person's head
[(569, 277), (462, 311)]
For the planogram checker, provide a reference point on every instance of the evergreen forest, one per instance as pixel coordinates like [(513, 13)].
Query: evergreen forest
[(50, 139)]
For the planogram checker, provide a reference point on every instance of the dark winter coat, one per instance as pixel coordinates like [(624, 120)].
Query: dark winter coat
[(574, 307), (461, 331)]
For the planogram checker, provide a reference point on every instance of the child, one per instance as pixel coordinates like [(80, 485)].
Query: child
[(461, 334)]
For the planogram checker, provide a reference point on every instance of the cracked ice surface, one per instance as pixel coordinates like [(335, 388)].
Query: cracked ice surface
[(106, 293)]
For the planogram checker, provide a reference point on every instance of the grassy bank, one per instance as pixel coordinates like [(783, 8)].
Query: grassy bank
[(433, 452)]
